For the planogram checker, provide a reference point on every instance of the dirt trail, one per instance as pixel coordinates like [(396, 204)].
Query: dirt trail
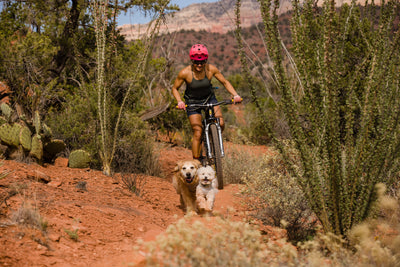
[(104, 217)]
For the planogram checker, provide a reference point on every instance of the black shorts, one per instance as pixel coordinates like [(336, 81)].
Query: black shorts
[(190, 111)]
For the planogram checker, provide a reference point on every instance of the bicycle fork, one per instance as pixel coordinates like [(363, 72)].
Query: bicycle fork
[(208, 145)]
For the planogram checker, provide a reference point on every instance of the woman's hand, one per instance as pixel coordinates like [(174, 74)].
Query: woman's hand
[(237, 99), (181, 105)]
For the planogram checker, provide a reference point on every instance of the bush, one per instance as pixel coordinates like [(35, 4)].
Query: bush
[(75, 123), (217, 243), (135, 151), (256, 130), (237, 163), (134, 183), (375, 242), (277, 198)]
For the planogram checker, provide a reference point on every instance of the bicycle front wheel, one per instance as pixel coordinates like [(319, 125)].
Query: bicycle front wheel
[(216, 152)]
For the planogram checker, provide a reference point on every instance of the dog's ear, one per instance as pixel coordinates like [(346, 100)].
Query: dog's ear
[(197, 163), (178, 166)]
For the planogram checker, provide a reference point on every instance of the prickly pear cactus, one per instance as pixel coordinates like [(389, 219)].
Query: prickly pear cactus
[(25, 138), (79, 159), (2, 120), (36, 122), (37, 147), (54, 147), (6, 110), (46, 131), (9, 133)]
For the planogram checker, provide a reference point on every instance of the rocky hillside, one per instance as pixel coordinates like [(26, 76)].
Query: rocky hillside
[(217, 17), (211, 17)]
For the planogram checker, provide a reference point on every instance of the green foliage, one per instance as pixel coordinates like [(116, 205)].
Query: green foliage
[(135, 150), (73, 234), (172, 121), (74, 122), (255, 130), (340, 100)]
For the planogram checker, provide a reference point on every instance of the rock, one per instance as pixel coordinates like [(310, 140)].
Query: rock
[(55, 184), (61, 162), (39, 176)]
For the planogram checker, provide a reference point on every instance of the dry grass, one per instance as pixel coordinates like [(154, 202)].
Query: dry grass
[(134, 182), (277, 199), (29, 216), (238, 163), (217, 243)]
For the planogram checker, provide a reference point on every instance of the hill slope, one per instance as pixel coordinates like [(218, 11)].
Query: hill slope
[(104, 217)]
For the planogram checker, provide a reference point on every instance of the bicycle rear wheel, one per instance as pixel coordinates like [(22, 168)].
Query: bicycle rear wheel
[(216, 152)]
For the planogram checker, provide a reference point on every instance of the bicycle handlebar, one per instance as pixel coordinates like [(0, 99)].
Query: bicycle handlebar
[(210, 105)]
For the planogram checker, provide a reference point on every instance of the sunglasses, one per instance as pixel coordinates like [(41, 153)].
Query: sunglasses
[(199, 62)]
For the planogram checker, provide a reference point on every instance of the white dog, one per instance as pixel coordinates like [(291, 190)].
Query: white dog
[(206, 190)]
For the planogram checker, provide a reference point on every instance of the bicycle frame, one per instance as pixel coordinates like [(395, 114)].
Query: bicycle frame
[(209, 118)]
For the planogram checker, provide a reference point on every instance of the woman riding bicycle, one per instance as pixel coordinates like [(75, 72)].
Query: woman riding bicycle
[(199, 90)]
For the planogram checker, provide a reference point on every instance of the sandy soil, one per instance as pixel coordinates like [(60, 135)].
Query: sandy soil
[(106, 218)]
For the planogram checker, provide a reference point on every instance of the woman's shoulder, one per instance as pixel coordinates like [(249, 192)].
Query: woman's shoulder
[(212, 68), (185, 71)]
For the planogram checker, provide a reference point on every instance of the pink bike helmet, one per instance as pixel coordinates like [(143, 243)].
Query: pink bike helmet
[(198, 52)]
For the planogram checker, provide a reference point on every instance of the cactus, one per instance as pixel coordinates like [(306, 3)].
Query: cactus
[(36, 122), (37, 147), (6, 110), (2, 120), (25, 138), (47, 132), (9, 133), (79, 159), (54, 147)]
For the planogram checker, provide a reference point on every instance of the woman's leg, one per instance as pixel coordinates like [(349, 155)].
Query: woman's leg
[(195, 122)]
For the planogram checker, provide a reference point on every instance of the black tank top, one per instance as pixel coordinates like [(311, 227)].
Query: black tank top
[(198, 91)]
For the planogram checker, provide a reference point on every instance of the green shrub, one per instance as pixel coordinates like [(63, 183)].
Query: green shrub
[(135, 151), (73, 234), (172, 121), (75, 123)]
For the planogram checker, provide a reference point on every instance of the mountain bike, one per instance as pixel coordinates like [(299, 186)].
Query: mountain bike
[(211, 139)]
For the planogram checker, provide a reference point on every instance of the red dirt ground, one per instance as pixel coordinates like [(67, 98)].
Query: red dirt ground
[(108, 218)]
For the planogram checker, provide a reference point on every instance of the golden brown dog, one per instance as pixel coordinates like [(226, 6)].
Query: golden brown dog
[(185, 182)]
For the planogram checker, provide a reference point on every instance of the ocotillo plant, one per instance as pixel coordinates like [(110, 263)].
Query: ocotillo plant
[(109, 127), (343, 109)]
